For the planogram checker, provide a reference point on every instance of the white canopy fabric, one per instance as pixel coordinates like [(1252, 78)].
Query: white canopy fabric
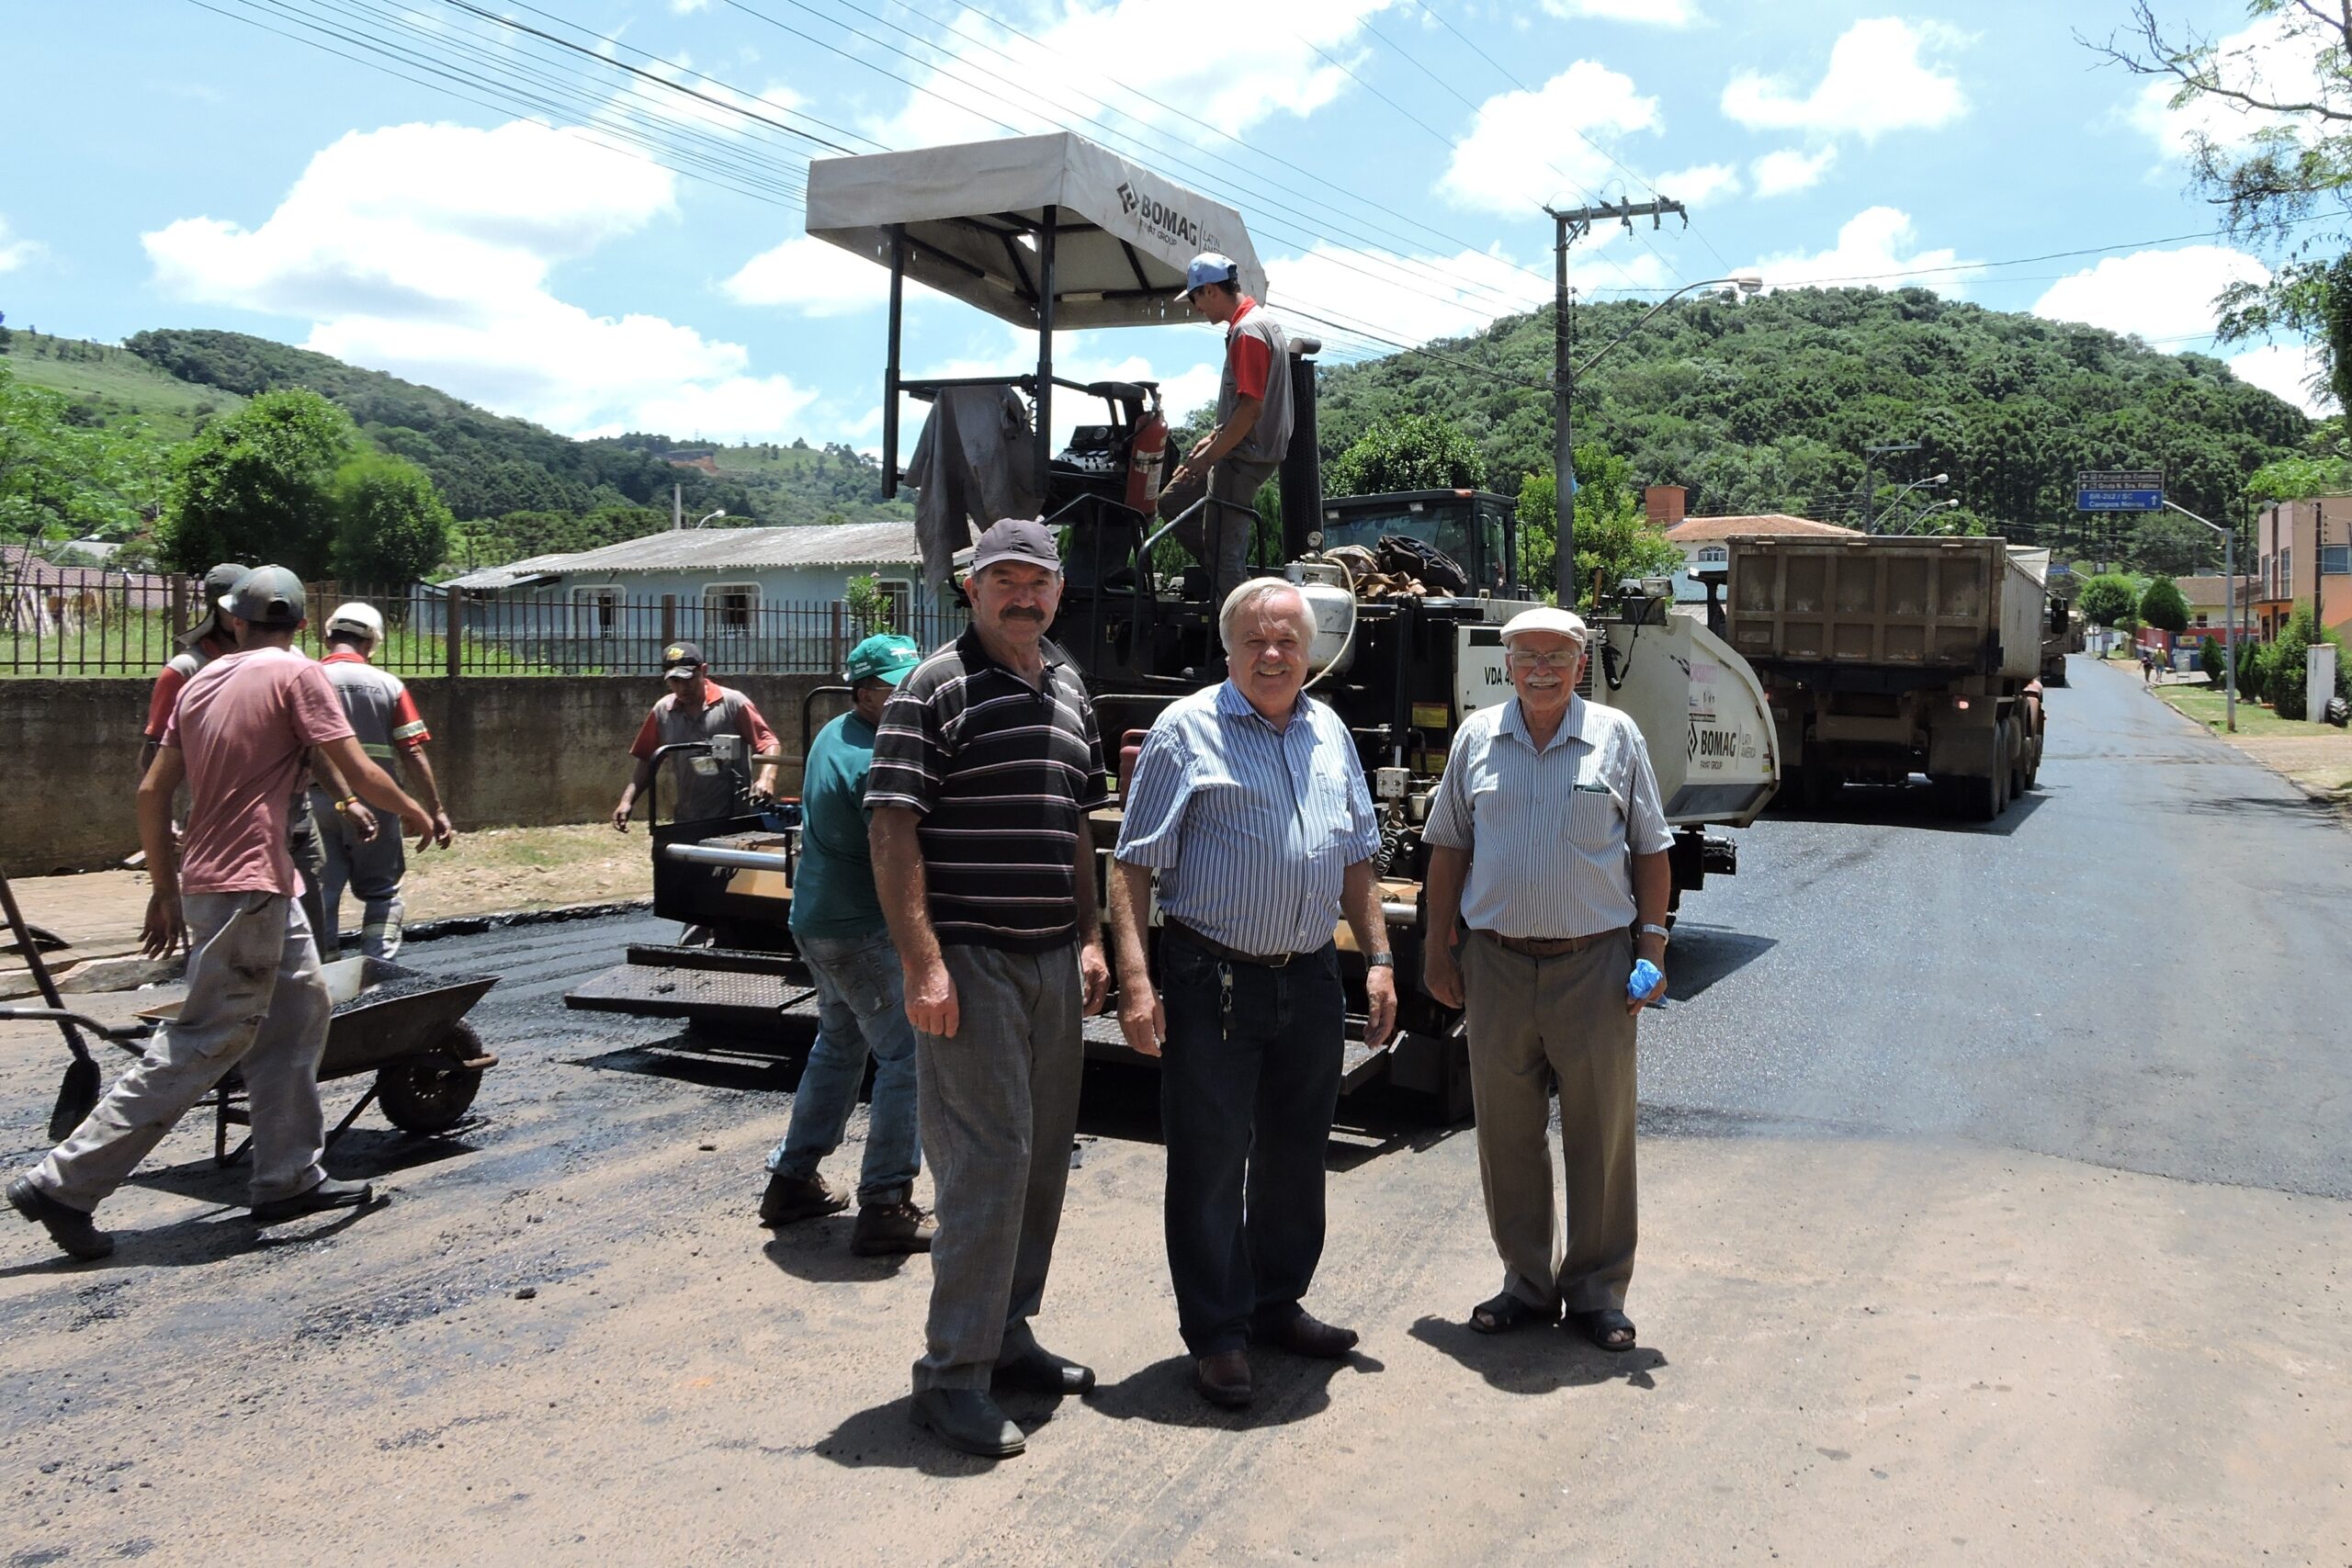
[(973, 212)]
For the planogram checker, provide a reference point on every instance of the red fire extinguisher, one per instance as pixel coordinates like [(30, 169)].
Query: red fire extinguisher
[(1145, 457)]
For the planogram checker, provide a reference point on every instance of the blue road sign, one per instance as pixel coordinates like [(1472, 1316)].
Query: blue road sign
[(2119, 489)]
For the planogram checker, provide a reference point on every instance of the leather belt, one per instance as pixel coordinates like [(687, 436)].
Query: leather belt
[(1541, 947), (1219, 949)]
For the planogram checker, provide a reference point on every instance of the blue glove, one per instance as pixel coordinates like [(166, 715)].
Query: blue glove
[(1643, 980)]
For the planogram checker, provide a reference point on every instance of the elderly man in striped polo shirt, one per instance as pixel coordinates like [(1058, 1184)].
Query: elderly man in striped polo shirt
[(1546, 839), (1248, 801), (984, 765)]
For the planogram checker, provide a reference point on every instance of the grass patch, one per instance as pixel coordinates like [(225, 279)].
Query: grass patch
[(119, 386), (2210, 708)]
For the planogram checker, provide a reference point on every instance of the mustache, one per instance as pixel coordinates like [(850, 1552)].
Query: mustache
[(1019, 615)]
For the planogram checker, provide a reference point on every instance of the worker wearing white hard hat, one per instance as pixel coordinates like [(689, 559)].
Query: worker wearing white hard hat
[(1230, 465), (371, 860), (1547, 892)]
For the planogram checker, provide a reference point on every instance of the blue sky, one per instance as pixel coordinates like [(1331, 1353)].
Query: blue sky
[(1390, 157)]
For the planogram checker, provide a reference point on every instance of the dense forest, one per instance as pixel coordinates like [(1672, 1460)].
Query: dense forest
[(1767, 405)]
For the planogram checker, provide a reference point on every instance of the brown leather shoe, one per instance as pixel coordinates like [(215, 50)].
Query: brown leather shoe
[(1222, 1378), (1303, 1336)]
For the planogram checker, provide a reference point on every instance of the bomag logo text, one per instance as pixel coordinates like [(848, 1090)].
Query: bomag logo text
[(1163, 218)]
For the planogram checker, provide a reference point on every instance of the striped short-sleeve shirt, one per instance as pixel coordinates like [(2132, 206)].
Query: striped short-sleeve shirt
[(1550, 832), (1252, 827), (1002, 773)]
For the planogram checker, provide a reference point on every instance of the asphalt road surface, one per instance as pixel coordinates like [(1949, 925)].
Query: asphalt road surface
[(1993, 1194)]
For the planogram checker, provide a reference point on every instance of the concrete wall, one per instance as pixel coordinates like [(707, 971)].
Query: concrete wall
[(509, 752)]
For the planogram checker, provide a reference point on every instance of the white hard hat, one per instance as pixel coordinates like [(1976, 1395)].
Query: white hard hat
[(1565, 623), (357, 617)]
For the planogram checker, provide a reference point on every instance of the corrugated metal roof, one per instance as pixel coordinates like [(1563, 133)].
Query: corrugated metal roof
[(719, 549)]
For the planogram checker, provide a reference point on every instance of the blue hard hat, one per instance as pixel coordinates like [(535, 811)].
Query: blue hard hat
[(1210, 267)]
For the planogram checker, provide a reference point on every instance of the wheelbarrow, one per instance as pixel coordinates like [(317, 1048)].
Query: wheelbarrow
[(406, 1027)]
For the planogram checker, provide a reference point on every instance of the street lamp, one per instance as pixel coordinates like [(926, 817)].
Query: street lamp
[(1911, 523), (707, 517), (1563, 391), (1906, 490)]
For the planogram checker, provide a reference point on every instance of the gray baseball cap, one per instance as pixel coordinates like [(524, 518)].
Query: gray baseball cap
[(267, 597), (217, 582), (1025, 539)]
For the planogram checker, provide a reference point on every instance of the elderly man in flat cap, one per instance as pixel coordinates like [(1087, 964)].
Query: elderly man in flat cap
[(1548, 871)]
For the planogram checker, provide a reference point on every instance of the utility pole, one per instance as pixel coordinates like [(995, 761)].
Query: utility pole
[(1567, 226), (1870, 455)]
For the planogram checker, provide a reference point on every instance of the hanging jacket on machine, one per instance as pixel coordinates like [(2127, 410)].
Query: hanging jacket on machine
[(976, 462)]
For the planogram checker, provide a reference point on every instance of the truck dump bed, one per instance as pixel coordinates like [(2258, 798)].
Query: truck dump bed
[(1923, 604)]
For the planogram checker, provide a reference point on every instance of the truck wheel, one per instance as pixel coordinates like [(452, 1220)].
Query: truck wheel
[(2016, 749)]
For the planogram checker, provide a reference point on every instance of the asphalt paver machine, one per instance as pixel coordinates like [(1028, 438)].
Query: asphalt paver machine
[(1410, 590)]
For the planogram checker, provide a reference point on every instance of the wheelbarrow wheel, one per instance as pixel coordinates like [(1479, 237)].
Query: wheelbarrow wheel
[(431, 1094)]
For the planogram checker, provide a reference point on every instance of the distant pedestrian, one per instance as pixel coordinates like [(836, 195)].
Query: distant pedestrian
[(384, 718), (837, 923), (699, 708), (2147, 666), (1248, 801), (1548, 844), (986, 766), (256, 1001)]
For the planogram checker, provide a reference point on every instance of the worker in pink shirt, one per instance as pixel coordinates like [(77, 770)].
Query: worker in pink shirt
[(257, 999)]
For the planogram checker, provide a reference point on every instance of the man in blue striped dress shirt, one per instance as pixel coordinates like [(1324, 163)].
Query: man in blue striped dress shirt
[(1549, 870), (1249, 802)]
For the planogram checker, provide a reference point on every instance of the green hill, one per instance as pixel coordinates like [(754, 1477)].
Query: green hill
[(1767, 405), (113, 386)]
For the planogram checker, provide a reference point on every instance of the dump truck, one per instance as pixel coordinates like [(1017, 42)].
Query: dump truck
[(1883, 657)]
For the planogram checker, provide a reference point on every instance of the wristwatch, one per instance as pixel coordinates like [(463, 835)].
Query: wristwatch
[(1380, 961), (1647, 929)]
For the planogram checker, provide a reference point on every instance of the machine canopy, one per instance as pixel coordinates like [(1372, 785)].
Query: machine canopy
[(972, 215)]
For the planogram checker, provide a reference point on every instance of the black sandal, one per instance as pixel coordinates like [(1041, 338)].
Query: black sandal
[(1506, 1311), (1601, 1327)]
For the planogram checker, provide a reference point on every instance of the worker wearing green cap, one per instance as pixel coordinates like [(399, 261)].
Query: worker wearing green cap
[(837, 923)]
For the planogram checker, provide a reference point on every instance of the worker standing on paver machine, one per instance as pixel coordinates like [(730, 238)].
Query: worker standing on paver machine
[(837, 923), (698, 708), (257, 999), (384, 718), (1253, 425)]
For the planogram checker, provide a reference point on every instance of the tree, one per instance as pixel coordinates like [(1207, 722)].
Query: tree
[(2209, 659), (390, 526), (869, 607), (2162, 542), (259, 486), (2164, 606), (64, 480), (2107, 598), (1414, 451), (1614, 540)]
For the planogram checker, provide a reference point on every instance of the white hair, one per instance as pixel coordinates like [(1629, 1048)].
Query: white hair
[(1253, 592)]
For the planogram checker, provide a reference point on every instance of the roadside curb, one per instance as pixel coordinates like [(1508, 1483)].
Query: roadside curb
[(2339, 805), (125, 972)]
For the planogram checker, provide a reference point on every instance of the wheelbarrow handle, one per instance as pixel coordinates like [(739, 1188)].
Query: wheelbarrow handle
[(117, 1032)]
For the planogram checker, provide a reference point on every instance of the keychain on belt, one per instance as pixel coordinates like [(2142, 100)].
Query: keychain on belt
[(1224, 995)]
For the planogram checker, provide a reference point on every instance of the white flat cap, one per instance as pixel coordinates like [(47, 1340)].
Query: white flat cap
[(1543, 618)]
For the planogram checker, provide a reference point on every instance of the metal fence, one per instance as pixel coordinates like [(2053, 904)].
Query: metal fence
[(71, 620)]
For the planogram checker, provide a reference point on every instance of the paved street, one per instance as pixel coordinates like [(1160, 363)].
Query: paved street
[(1996, 1199)]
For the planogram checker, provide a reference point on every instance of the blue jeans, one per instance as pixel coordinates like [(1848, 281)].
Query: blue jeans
[(861, 1007)]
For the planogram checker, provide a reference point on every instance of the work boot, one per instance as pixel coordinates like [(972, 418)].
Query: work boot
[(884, 1229), (1222, 1378), (967, 1418), (69, 1227), (328, 1195), (790, 1198)]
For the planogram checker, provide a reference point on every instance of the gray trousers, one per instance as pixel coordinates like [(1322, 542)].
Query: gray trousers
[(1220, 534), (999, 1106), (257, 1002), (371, 869), (1532, 1020)]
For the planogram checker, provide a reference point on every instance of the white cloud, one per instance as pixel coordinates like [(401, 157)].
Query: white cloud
[(1657, 13), (2285, 370), (1779, 173), (2275, 56), (688, 7), (15, 254), (1413, 299), (2157, 295), (424, 250), (1700, 182), (1183, 56), (1522, 149), (813, 278), (1870, 246), (1875, 82)]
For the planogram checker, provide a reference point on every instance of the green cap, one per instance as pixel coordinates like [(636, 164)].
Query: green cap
[(885, 656)]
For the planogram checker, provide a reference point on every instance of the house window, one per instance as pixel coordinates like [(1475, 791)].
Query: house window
[(599, 611), (2335, 560), (2286, 575), (899, 596), (726, 608), (1714, 552)]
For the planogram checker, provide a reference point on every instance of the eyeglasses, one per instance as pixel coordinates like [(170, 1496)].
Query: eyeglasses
[(1558, 659)]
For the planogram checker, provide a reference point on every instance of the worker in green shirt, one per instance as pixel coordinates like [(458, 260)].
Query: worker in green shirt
[(837, 923)]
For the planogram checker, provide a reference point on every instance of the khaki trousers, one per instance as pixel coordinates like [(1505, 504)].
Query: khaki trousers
[(1532, 1021)]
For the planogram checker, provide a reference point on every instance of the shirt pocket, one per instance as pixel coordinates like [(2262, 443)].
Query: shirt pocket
[(1596, 817)]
